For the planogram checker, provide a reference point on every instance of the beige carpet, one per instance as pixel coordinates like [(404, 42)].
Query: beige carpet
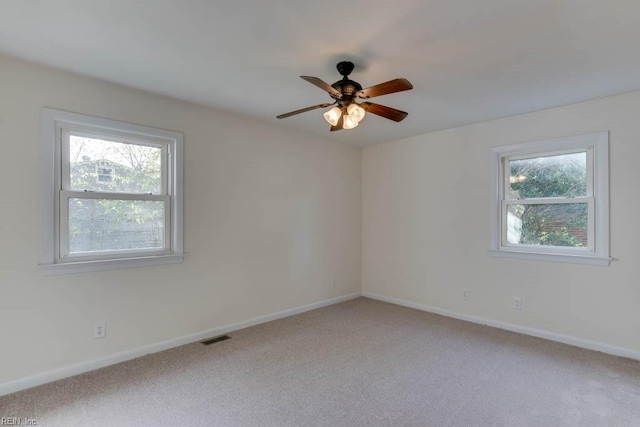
[(358, 363)]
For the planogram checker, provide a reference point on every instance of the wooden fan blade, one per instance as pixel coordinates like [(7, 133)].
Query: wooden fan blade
[(392, 86), (303, 110), (386, 112), (338, 125), (322, 85)]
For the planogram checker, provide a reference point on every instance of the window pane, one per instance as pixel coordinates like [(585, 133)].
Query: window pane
[(108, 225), (549, 176), (562, 224), (116, 167)]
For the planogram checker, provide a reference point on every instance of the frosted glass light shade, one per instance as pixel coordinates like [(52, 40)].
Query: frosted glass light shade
[(356, 112), (332, 116), (348, 123)]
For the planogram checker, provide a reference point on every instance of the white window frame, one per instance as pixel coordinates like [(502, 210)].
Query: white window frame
[(596, 145), (57, 126)]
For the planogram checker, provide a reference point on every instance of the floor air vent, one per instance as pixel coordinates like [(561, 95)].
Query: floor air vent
[(215, 340)]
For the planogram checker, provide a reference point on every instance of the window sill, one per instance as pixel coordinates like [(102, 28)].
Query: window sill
[(110, 264), (568, 258)]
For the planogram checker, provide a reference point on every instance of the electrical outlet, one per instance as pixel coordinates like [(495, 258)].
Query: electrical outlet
[(465, 295), (100, 329), (335, 283), (517, 303)]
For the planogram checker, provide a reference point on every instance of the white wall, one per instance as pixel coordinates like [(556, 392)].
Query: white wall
[(426, 228), (271, 218)]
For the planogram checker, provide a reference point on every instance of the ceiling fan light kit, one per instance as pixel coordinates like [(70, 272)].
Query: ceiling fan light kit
[(347, 114), (352, 116)]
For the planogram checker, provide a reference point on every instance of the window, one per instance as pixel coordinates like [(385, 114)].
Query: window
[(114, 194), (551, 200)]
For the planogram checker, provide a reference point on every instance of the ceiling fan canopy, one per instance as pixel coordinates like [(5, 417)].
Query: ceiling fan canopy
[(347, 113)]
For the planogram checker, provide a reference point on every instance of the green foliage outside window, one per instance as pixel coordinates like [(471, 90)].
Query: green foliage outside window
[(548, 177)]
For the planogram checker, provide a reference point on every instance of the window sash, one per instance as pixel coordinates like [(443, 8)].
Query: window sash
[(506, 170), (590, 202), (63, 254), (65, 164)]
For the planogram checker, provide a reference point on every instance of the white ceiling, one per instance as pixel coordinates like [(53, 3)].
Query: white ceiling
[(468, 60)]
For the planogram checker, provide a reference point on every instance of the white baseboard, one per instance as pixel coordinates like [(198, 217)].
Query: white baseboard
[(90, 365), (566, 339)]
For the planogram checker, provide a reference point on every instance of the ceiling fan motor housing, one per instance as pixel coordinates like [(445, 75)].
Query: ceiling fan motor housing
[(348, 88)]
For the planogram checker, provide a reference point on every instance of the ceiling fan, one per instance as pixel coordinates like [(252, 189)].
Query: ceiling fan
[(347, 113)]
